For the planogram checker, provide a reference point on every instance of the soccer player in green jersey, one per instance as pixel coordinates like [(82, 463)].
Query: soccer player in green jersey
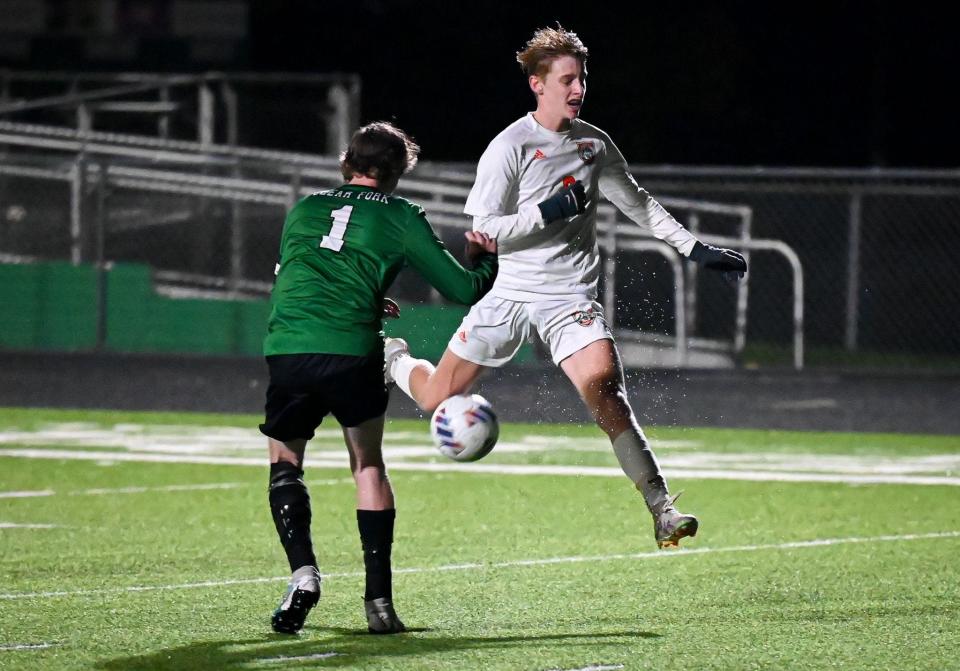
[(340, 251)]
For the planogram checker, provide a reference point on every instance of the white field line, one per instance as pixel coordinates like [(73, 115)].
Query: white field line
[(228, 441), (14, 525), (600, 667), (832, 463), (299, 658), (806, 404), (206, 446), (220, 440), (26, 646), (671, 472), (661, 554), (167, 488), (239, 443), (504, 469), (95, 455)]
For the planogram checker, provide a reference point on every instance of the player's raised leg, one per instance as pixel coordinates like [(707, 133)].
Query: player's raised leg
[(376, 514), (425, 383), (488, 337), (596, 372), (290, 507)]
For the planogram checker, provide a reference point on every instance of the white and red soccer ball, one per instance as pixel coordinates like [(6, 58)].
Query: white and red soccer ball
[(465, 427)]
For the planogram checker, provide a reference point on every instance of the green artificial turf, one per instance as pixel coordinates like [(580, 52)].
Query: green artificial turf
[(178, 566)]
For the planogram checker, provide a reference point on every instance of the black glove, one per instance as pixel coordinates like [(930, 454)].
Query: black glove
[(727, 261), (566, 202)]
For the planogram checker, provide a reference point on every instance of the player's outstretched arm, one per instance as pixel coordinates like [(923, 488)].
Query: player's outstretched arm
[(621, 189), (726, 261), (425, 252)]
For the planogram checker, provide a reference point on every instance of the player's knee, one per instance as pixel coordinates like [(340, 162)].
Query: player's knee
[(284, 474), (288, 495)]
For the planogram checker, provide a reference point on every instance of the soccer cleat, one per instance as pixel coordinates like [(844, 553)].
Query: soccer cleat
[(393, 349), (303, 593), (382, 618), (670, 525)]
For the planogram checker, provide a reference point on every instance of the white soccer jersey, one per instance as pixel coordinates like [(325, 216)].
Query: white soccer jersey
[(525, 164)]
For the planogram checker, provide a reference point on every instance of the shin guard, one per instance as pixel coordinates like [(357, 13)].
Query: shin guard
[(290, 506)]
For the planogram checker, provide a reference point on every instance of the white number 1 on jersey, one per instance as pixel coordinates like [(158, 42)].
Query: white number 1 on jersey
[(334, 240)]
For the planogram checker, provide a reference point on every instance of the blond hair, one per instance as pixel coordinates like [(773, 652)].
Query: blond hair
[(546, 45)]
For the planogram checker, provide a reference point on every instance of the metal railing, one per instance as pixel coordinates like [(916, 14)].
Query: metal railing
[(164, 98), (104, 170)]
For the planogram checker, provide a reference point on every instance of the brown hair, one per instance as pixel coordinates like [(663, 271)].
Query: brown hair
[(546, 45), (380, 151)]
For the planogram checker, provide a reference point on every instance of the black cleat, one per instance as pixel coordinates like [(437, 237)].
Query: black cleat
[(382, 618), (302, 595)]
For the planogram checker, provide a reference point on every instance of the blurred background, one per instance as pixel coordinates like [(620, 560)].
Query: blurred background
[(150, 148)]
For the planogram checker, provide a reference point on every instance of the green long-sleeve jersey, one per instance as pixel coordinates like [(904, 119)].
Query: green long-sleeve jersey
[(340, 251)]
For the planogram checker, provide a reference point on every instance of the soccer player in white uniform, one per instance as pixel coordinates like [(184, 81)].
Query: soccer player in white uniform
[(536, 192)]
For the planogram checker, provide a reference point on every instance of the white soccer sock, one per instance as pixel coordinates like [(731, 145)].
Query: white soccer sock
[(403, 366), (640, 465)]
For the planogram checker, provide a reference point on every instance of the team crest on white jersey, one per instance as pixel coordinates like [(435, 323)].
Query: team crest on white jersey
[(585, 317), (586, 151)]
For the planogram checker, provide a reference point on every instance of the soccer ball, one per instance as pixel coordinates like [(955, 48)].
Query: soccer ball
[(465, 427)]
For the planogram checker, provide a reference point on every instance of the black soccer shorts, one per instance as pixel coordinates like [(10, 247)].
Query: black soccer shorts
[(305, 388)]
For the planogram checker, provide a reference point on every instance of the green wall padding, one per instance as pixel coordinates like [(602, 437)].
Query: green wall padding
[(48, 306), (53, 306), (138, 320), (250, 327)]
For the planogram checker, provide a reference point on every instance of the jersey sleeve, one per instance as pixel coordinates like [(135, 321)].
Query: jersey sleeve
[(425, 252), (619, 187), (493, 199)]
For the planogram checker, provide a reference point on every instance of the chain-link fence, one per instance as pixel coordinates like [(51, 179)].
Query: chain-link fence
[(881, 283), (869, 252)]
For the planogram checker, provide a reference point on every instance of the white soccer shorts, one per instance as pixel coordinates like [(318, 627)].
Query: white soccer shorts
[(495, 328)]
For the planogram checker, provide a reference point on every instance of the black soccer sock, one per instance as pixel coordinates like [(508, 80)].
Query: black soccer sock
[(290, 505), (376, 537)]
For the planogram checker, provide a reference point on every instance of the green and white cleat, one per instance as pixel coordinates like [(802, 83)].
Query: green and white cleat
[(382, 618), (393, 349), (670, 525), (302, 594)]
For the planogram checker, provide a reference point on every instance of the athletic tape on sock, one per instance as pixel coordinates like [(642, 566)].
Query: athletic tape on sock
[(403, 367)]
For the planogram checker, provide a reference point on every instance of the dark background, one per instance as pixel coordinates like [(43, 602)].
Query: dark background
[(842, 84), (831, 84), (725, 83)]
